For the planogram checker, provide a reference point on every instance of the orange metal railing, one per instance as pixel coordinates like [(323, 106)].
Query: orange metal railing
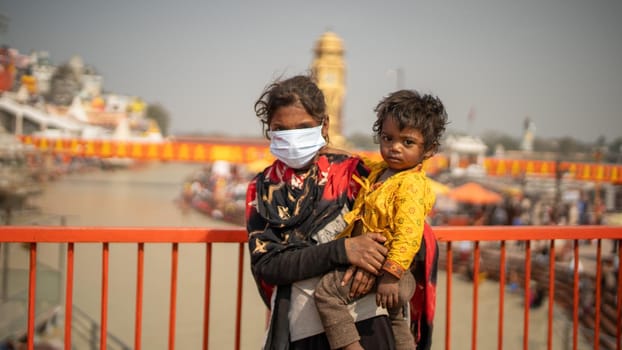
[(527, 234), (446, 236), (72, 235)]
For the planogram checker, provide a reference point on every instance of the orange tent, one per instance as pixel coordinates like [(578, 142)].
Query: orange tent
[(474, 193)]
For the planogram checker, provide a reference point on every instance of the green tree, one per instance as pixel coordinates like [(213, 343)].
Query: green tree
[(615, 146), (614, 151), (568, 145), (601, 141), (541, 144), (494, 138), (160, 115)]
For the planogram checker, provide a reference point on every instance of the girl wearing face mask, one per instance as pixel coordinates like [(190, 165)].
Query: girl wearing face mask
[(295, 209)]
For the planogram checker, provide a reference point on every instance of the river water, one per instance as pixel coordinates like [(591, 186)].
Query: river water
[(146, 196)]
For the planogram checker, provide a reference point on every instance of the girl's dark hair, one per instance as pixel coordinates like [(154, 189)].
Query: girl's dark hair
[(411, 110), (299, 90)]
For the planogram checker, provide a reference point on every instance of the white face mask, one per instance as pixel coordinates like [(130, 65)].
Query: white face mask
[(296, 147)]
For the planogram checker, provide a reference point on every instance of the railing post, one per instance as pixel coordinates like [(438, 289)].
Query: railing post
[(476, 257), (502, 268), (173, 296), (140, 263), (527, 294), (597, 301), (619, 299), (449, 270), (207, 298), (238, 313), (549, 339), (104, 296), (575, 297), (32, 290), (69, 295)]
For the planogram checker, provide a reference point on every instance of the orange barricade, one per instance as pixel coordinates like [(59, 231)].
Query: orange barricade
[(241, 152)]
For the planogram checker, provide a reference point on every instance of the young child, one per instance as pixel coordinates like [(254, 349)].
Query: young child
[(394, 201)]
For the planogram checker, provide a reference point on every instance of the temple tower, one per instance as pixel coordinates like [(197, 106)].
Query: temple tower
[(330, 71)]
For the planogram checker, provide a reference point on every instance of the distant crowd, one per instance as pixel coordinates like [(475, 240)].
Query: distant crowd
[(525, 210)]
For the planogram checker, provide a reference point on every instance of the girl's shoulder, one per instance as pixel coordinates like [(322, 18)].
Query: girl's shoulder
[(338, 151)]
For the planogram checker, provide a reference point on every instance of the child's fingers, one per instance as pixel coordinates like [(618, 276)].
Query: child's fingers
[(348, 275)]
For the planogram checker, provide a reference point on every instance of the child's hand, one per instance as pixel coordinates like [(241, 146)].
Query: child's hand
[(362, 281), (387, 295)]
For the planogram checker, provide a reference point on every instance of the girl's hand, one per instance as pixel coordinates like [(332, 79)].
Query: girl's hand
[(387, 294), (366, 251), (362, 283)]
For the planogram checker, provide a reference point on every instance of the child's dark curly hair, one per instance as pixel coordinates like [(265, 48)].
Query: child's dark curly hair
[(299, 90), (411, 110)]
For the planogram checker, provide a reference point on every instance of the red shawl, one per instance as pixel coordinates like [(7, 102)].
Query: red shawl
[(423, 302)]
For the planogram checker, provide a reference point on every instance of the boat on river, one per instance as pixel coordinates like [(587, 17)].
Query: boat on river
[(218, 190)]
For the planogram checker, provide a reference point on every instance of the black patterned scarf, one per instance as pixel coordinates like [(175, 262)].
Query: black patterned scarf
[(286, 208)]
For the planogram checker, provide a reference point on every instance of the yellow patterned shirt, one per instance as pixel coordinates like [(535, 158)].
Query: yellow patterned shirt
[(395, 208)]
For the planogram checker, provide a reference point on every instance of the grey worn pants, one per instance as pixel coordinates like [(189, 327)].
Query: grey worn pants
[(332, 299)]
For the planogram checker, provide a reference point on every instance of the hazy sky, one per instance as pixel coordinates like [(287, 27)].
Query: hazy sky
[(558, 62)]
